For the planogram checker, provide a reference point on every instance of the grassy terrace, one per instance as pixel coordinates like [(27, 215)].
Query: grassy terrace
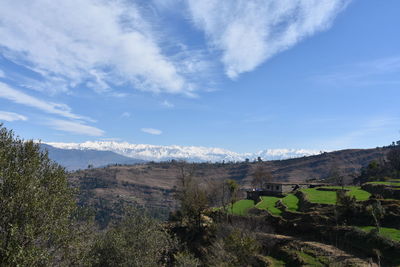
[(268, 203), (329, 197), (390, 233), (241, 207), (291, 201)]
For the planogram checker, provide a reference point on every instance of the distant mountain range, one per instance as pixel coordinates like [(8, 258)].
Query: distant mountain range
[(74, 159), (121, 152)]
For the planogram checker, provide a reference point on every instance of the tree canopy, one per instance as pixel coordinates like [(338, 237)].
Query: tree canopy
[(36, 204)]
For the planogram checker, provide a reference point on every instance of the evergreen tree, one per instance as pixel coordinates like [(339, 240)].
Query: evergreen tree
[(36, 206)]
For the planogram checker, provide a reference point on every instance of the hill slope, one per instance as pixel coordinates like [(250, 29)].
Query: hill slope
[(152, 184)]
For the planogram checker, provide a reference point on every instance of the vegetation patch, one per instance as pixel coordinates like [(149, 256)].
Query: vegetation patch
[(322, 197), (329, 197), (268, 203), (390, 233), (275, 262), (303, 257), (241, 207), (309, 260), (291, 201)]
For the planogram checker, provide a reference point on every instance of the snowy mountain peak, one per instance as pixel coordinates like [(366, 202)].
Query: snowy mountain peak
[(190, 153)]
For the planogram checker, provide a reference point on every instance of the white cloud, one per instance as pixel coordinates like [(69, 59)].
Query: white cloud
[(2, 74), (250, 32), (75, 127), (151, 131), (126, 115), (49, 107), (96, 43), (11, 116), (167, 104)]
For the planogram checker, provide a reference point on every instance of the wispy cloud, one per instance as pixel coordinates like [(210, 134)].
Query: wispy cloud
[(151, 131), (11, 116), (167, 104), (117, 45), (366, 129), (250, 32), (126, 115), (2, 74), (372, 72), (75, 127), (19, 97)]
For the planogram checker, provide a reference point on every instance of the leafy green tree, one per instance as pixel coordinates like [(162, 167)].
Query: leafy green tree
[(374, 171), (383, 169), (394, 158), (226, 192), (377, 212), (233, 188), (346, 205), (36, 204)]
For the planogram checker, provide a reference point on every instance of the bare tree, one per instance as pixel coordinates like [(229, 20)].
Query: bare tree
[(191, 195), (336, 176), (261, 176)]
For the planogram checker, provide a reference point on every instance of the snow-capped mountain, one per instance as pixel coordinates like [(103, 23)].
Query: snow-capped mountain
[(189, 153), (284, 153)]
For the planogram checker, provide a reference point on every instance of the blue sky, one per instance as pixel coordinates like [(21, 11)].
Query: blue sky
[(241, 75)]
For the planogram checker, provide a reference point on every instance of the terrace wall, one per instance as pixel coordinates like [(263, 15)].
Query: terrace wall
[(382, 190)]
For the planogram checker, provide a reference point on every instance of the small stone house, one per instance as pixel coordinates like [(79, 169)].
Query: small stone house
[(283, 188)]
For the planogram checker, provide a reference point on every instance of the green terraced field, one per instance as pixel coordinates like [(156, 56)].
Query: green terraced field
[(268, 203), (291, 201), (241, 207), (321, 197), (329, 197), (360, 194), (391, 233)]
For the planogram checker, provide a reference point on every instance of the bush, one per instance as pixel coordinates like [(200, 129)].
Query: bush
[(137, 240), (234, 247)]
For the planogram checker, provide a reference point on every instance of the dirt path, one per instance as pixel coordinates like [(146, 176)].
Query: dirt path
[(338, 257)]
